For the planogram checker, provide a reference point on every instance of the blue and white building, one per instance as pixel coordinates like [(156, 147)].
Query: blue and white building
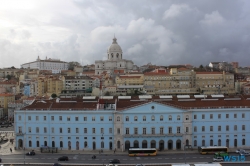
[(162, 122)]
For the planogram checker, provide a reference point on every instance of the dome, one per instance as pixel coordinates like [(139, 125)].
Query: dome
[(114, 47)]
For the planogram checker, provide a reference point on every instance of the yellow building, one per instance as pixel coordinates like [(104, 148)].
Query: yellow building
[(54, 85), (5, 98), (174, 81), (130, 79), (42, 86), (215, 82)]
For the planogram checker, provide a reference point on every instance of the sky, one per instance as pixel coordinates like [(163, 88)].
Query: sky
[(161, 32)]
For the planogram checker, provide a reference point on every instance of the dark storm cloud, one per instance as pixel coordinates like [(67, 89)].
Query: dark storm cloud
[(161, 32)]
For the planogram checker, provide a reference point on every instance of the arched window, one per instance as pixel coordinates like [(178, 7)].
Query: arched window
[(120, 65), (178, 117), (170, 118), (144, 118), (117, 55), (127, 118), (112, 55), (135, 118), (187, 117), (85, 144), (98, 66), (153, 118), (118, 119), (161, 118)]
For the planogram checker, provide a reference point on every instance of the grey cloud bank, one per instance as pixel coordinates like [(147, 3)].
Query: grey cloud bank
[(161, 32)]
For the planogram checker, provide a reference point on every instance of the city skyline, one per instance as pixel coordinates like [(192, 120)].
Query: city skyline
[(157, 32)]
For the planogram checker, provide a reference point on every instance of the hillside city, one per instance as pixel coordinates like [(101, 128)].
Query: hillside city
[(115, 104)]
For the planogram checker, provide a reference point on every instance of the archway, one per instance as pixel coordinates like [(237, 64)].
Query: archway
[(85, 144), (153, 144), (118, 144), (30, 144), (77, 145), (127, 145), (211, 142), (187, 142), (94, 146), (20, 143), (136, 144), (219, 142), (69, 145), (161, 145), (178, 144), (144, 144), (37, 144), (110, 146), (45, 143), (53, 143), (61, 144), (235, 142), (170, 144), (227, 143)]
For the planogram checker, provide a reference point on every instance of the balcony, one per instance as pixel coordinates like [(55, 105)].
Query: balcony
[(144, 135), (170, 134), (19, 133), (178, 134)]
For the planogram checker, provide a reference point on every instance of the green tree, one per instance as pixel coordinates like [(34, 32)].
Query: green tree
[(53, 95), (72, 64), (9, 77)]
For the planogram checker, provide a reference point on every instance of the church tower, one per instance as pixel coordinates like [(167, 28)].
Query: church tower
[(114, 52)]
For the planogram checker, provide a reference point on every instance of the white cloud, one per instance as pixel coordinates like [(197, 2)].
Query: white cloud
[(214, 18), (175, 10), (135, 50)]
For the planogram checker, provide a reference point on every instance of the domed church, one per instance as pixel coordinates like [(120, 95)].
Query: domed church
[(114, 62)]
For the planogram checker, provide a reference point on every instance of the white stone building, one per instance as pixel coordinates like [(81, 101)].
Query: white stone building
[(114, 61), (55, 65)]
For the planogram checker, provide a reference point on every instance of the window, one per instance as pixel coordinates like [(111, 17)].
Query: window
[(127, 130), (37, 118), (76, 118), (187, 129), (29, 117), (127, 118), (235, 115), (243, 127), (93, 130), (203, 128), (37, 129), (243, 115), (152, 130), (211, 116), (195, 116), (219, 116), (135, 118), (52, 130), (195, 129), (45, 129), (170, 118), (219, 128), (187, 117), (77, 130), (85, 118), (110, 118), (44, 118), (203, 116), (29, 129), (161, 118), (19, 117), (60, 130), (110, 130), (135, 130), (60, 118), (170, 130), (118, 119), (211, 128), (235, 127), (118, 130), (227, 115), (68, 130), (178, 117), (52, 118), (153, 118), (93, 118), (161, 130), (85, 130), (227, 128), (178, 129), (101, 118), (144, 118), (102, 130), (68, 118), (144, 131)]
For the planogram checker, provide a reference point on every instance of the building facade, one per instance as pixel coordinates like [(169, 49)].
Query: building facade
[(162, 122), (54, 65)]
